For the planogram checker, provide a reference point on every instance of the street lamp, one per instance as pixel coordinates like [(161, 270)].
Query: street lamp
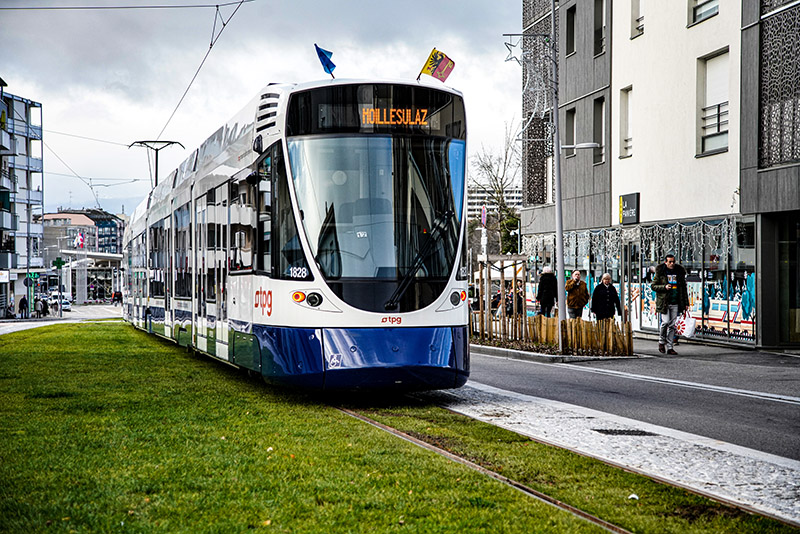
[(560, 270)]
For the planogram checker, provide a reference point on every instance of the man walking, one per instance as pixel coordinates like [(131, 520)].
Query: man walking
[(577, 295), (672, 299)]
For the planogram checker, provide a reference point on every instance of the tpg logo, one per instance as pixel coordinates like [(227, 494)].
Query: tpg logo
[(392, 320), (263, 300)]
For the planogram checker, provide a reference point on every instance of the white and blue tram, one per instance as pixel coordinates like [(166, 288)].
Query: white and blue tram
[(318, 238)]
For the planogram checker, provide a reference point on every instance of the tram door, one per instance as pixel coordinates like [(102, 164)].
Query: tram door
[(199, 323), (219, 257)]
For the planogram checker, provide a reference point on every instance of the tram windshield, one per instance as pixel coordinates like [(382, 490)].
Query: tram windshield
[(371, 204)]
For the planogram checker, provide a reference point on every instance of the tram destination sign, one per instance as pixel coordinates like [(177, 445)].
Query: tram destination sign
[(629, 208), (394, 116)]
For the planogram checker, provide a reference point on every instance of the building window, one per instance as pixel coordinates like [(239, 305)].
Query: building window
[(714, 108), (625, 123), (703, 9), (599, 27), (599, 130), (637, 18), (569, 134), (570, 48)]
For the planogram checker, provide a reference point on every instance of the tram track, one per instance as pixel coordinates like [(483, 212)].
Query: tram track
[(530, 492)]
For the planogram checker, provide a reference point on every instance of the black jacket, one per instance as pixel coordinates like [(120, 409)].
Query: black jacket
[(659, 285), (605, 300), (548, 289)]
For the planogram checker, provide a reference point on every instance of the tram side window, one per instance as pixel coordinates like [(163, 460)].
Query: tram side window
[(158, 257), (243, 226), (289, 261), (183, 269), (264, 232)]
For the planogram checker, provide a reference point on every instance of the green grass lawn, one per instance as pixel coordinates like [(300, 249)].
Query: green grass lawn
[(107, 429)]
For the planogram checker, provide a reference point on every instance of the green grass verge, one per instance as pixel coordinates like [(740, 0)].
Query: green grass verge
[(582, 482), (106, 429)]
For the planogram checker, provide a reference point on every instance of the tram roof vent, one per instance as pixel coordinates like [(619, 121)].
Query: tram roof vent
[(267, 111)]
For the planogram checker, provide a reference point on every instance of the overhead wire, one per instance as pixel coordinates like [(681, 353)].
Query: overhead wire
[(214, 39), (162, 6)]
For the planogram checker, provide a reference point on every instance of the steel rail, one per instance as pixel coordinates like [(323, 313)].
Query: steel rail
[(530, 492)]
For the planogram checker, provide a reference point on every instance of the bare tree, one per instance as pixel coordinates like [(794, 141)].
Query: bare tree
[(494, 174)]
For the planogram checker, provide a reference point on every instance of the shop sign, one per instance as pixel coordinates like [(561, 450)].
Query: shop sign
[(629, 208)]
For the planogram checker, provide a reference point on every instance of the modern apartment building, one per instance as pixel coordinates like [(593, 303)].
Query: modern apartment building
[(478, 197), (21, 196), (695, 106)]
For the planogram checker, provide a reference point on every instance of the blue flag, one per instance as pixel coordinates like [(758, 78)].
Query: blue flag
[(325, 59)]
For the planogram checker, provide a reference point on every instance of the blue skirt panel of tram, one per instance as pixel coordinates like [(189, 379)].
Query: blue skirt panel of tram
[(364, 358)]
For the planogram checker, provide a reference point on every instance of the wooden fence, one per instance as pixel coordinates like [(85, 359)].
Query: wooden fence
[(601, 338)]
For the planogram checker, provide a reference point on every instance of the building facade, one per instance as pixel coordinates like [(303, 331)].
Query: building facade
[(478, 197), (88, 240), (696, 108), (21, 197)]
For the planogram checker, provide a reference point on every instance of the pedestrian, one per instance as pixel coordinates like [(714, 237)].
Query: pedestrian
[(23, 307), (37, 305), (672, 299), (45, 308), (577, 295), (605, 299), (548, 291)]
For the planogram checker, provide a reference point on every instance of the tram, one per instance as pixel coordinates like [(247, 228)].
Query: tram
[(317, 239)]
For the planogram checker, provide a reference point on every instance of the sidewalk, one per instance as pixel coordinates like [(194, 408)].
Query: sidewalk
[(754, 480)]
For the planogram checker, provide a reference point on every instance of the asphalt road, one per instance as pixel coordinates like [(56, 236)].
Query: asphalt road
[(749, 399)]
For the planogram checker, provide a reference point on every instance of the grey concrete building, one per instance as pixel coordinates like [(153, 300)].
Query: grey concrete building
[(696, 107), (770, 155)]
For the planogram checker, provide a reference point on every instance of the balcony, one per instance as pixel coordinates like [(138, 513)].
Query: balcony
[(7, 144), (20, 127), (8, 259), (8, 221), (28, 197), (26, 163), (34, 229), (6, 182)]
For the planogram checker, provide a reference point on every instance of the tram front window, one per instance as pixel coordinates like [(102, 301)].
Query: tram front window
[(371, 204)]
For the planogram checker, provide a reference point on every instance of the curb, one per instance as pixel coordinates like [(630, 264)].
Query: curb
[(546, 358)]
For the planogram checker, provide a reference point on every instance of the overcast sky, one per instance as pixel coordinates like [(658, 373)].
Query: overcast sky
[(117, 75)]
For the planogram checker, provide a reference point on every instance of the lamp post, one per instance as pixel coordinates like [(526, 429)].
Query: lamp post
[(560, 270)]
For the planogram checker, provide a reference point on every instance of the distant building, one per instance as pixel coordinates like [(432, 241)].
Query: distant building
[(21, 197), (478, 197), (90, 241)]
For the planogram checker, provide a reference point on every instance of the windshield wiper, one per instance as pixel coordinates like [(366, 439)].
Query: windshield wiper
[(433, 238)]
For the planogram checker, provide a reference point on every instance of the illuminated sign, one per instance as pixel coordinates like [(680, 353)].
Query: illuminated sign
[(394, 116)]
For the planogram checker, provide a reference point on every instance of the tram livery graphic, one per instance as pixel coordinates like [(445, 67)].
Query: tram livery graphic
[(318, 238)]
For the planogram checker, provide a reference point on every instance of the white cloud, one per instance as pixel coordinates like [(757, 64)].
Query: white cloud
[(117, 75)]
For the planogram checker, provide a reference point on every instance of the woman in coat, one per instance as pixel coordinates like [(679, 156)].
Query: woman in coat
[(605, 300), (547, 291)]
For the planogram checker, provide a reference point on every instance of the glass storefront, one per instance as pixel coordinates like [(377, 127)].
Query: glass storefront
[(789, 278), (719, 258)]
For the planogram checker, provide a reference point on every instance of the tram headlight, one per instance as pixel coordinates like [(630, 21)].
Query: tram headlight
[(298, 296), (455, 298), (314, 299)]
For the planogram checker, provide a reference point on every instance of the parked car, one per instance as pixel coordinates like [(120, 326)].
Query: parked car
[(65, 305)]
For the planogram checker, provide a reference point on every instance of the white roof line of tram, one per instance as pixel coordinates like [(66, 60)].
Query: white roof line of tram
[(422, 82)]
